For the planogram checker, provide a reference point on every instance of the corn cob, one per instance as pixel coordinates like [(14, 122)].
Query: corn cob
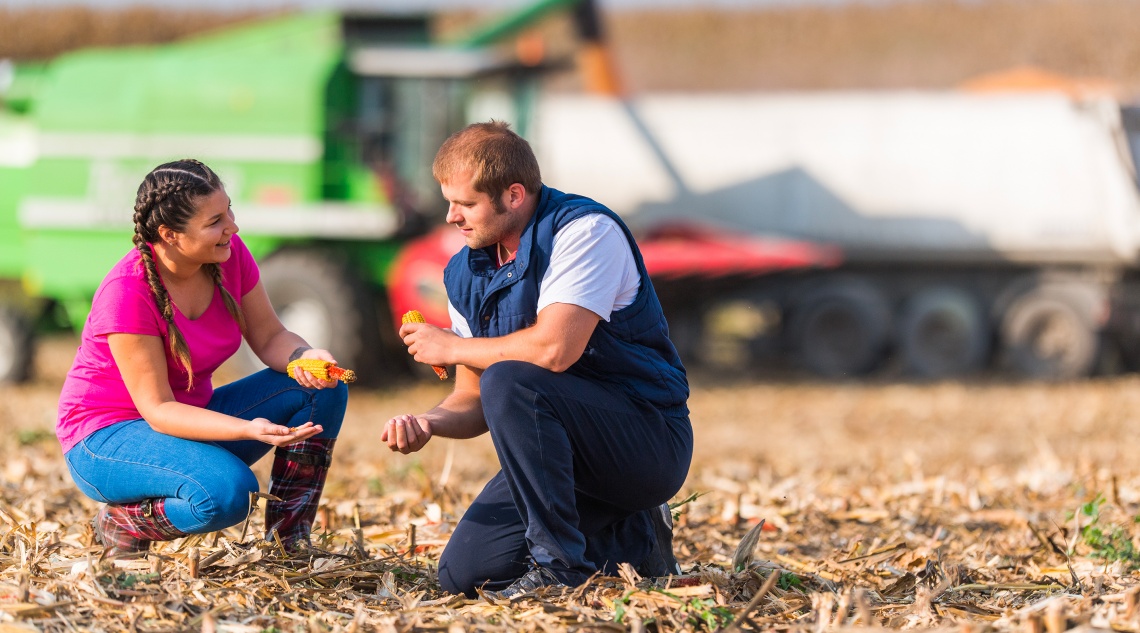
[(321, 369), (414, 316)]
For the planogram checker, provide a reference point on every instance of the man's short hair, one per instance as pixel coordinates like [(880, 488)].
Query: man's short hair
[(495, 156)]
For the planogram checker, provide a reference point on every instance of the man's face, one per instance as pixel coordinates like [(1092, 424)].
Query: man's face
[(482, 219)]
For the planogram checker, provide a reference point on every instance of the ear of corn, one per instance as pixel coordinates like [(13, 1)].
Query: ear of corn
[(322, 369), (414, 316)]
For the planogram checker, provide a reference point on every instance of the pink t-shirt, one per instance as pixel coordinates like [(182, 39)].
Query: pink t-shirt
[(94, 395)]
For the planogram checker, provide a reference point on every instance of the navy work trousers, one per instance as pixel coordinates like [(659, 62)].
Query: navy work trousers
[(582, 463)]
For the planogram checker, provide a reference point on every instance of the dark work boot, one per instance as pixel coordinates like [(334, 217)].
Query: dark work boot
[(661, 561), (130, 528), (297, 478), (532, 581)]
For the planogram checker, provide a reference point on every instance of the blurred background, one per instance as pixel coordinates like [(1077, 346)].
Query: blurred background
[(922, 189), (898, 244)]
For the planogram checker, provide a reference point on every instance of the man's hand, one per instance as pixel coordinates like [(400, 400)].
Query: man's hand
[(406, 433), (263, 430), (428, 344)]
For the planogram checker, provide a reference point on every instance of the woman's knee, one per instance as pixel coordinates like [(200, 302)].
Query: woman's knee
[(329, 406), (223, 501)]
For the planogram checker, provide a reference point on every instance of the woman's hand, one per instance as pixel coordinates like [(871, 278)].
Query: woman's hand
[(263, 430), (305, 379), (406, 433)]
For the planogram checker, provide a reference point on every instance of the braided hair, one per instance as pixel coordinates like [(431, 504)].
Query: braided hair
[(167, 197)]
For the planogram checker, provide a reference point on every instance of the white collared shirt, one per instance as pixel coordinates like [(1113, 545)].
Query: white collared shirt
[(591, 266)]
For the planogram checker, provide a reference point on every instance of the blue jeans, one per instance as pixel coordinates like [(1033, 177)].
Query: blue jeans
[(206, 484), (582, 465)]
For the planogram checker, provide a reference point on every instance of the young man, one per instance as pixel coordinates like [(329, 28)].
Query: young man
[(562, 353)]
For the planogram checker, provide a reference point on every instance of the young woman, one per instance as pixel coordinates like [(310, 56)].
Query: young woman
[(141, 426)]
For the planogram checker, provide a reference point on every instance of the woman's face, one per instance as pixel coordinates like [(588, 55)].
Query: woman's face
[(206, 237)]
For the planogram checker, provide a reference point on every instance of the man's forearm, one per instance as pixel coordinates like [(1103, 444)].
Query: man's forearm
[(524, 345), (555, 342), (459, 416)]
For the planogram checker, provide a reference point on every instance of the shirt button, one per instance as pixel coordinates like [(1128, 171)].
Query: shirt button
[(509, 275), (486, 318)]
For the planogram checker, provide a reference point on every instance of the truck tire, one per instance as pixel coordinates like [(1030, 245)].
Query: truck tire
[(318, 297), (16, 344), (685, 331), (1047, 333), (729, 337), (943, 334), (841, 329)]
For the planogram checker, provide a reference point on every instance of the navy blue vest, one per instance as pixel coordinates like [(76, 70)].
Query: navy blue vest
[(632, 350)]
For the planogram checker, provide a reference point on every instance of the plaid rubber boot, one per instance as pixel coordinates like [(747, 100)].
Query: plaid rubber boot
[(130, 528), (297, 479)]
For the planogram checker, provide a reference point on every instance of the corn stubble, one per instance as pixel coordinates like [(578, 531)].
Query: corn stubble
[(905, 529)]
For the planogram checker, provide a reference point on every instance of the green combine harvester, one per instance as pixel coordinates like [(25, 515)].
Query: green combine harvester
[(323, 127)]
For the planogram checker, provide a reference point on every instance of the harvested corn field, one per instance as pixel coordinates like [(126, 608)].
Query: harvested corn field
[(981, 506)]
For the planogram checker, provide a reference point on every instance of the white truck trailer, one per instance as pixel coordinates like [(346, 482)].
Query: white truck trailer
[(976, 229)]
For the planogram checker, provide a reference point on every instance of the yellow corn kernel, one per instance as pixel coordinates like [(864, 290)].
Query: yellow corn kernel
[(321, 369), (414, 316)]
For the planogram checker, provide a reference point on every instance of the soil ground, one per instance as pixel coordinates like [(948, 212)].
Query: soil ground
[(907, 505)]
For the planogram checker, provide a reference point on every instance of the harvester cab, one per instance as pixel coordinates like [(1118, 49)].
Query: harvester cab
[(406, 96)]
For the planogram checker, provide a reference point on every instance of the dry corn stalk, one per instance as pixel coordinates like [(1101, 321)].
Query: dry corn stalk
[(414, 316), (322, 369)]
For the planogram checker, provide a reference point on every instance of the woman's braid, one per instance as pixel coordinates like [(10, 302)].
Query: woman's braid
[(165, 199), (231, 305)]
